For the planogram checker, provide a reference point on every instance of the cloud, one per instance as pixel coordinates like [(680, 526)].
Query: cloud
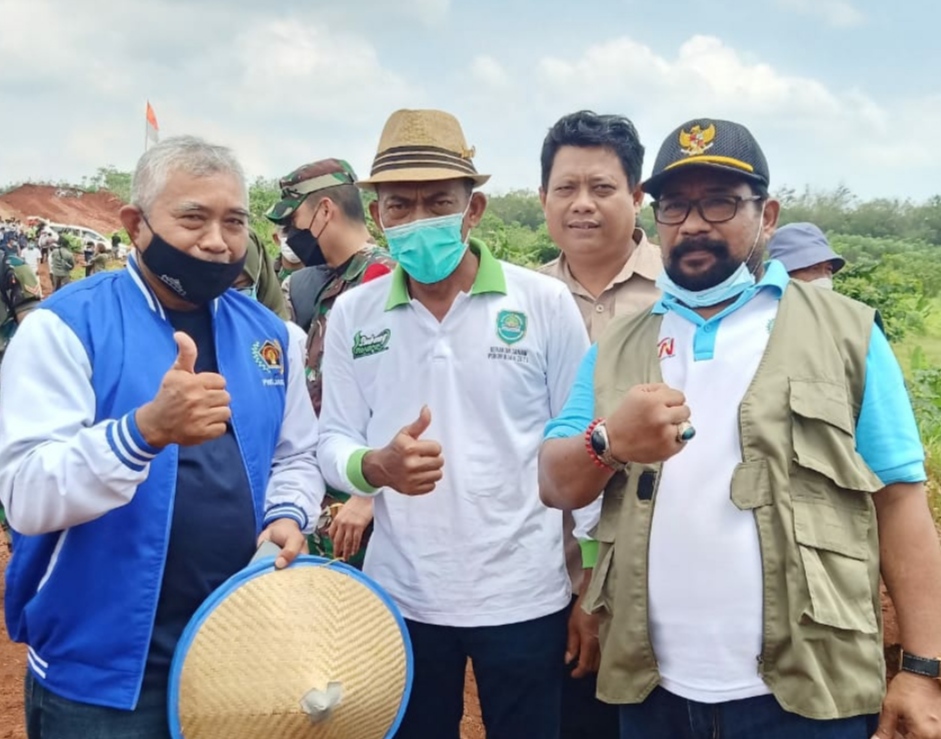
[(280, 89), (838, 13), (797, 119), (488, 72)]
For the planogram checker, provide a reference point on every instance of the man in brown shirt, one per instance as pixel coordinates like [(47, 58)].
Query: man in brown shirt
[(591, 169)]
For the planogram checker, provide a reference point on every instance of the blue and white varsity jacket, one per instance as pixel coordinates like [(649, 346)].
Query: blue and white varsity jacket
[(91, 503)]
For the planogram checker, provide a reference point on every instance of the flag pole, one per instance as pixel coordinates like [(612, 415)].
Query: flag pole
[(145, 128)]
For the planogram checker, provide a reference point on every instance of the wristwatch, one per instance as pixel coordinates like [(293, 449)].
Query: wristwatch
[(600, 448), (924, 666)]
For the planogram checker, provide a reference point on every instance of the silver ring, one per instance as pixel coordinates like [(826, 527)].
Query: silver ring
[(684, 432)]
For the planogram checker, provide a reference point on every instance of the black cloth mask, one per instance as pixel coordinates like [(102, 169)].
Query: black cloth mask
[(306, 245), (196, 281)]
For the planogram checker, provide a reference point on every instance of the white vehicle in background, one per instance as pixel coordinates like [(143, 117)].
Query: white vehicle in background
[(81, 233)]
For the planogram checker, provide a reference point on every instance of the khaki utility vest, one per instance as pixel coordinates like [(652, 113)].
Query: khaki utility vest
[(810, 493)]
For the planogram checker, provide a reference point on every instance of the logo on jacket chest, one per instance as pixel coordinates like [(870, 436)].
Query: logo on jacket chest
[(269, 356)]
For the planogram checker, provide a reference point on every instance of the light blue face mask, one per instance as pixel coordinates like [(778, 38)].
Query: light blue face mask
[(429, 250), (730, 288), (249, 291)]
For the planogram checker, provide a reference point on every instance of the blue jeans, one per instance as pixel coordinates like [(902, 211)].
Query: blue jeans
[(49, 716), (667, 716), (518, 668)]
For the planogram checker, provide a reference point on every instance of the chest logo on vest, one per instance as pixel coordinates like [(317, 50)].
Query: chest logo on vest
[(365, 345), (511, 326), (666, 348), (268, 355)]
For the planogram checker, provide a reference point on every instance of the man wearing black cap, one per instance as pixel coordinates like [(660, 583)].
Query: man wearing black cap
[(324, 224), (739, 561)]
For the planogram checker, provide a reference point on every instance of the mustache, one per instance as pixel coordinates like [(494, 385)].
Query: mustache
[(718, 249)]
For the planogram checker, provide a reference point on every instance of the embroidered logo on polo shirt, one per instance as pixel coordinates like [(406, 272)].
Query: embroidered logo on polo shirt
[(511, 326), (365, 345), (269, 356), (666, 348)]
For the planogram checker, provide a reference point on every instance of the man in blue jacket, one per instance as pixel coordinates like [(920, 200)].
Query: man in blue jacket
[(154, 429)]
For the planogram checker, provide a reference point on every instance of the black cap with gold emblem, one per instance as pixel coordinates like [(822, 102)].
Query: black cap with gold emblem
[(705, 142)]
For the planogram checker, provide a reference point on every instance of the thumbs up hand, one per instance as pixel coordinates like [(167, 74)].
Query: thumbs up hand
[(189, 407), (408, 464)]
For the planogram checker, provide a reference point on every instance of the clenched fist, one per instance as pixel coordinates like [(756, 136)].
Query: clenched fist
[(190, 408), (644, 427), (407, 464)]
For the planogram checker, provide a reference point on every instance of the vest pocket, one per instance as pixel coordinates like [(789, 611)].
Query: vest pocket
[(822, 432), (834, 550)]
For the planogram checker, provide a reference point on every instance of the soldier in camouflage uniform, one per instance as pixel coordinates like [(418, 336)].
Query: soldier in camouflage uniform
[(19, 294), (324, 222)]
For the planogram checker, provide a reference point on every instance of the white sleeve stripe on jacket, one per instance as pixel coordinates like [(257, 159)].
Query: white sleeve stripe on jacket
[(287, 510), (133, 440), (121, 452)]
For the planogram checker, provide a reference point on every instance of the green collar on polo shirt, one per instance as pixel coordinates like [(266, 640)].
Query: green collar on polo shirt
[(489, 279)]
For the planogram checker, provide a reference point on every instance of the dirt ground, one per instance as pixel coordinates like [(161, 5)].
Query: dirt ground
[(95, 210)]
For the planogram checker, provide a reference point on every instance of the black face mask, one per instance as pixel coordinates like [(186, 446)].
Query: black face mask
[(306, 245), (194, 280)]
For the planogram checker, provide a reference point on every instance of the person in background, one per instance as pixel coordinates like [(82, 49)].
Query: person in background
[(287, 262), (258, 280), (32, 255), (806, 254), (88, 253), (590, 193), (323, 223), (61, 262), (144, 460), (99, 262)]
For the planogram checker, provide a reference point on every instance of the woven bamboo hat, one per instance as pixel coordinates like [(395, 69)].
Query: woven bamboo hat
[(315, 651), (422, 146)]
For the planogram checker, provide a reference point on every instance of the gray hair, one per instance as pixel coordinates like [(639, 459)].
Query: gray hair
[(188, 154)]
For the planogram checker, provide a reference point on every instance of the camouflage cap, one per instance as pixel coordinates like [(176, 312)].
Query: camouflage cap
[(306, 180)]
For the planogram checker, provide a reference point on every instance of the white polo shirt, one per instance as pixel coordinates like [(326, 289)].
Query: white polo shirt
[(481, 549)]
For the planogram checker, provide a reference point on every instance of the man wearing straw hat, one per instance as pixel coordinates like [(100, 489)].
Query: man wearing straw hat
[(438, 381), (154, 428)]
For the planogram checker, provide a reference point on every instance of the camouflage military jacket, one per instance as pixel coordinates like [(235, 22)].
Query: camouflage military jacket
[(367, 264), (19, 287)]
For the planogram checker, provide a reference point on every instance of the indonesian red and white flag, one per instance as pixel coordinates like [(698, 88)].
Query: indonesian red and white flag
[(153, 130)]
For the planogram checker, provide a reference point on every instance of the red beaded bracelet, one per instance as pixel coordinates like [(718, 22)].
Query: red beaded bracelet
[(591, 451)]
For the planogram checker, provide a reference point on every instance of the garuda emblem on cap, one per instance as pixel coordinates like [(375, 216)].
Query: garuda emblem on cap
[(696, 141)]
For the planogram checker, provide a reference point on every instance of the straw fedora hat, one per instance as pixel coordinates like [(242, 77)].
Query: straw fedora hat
[(422, 146), (315, 651)]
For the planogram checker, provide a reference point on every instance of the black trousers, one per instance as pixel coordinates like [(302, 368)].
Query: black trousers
[(583, 715)]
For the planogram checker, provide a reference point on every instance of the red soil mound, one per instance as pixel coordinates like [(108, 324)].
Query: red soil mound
[(71, 206)]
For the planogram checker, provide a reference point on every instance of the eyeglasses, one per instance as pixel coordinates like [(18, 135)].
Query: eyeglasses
[(674, 211)]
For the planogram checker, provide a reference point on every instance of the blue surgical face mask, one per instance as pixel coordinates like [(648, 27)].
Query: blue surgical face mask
[(429, 250), (730, 288)]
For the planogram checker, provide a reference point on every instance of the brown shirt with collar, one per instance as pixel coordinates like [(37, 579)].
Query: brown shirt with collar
[(631, 290)]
